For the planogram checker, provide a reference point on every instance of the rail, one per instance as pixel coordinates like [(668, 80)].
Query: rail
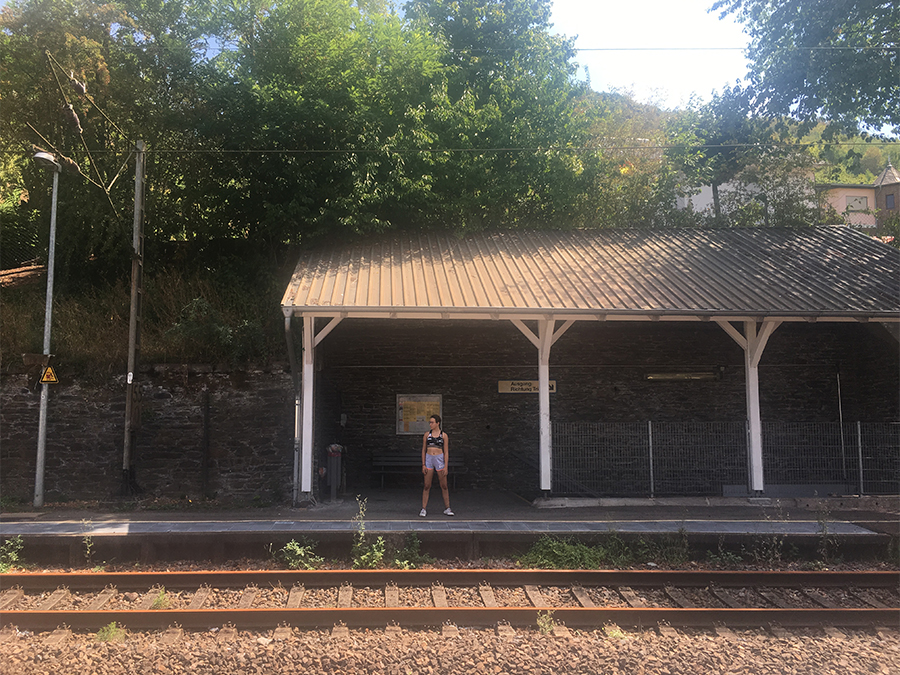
[(417, 598)]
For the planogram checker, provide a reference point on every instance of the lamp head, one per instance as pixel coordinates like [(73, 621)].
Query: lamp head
[(45, 160)]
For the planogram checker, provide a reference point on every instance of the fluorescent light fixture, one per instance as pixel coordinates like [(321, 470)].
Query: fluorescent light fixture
[(683, 376)]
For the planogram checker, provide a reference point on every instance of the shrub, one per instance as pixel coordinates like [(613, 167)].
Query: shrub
[(111, 633), (553, 553), (299, 555), (10, 553)]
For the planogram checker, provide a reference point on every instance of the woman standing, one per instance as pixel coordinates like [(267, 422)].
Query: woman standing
[(435, 457)]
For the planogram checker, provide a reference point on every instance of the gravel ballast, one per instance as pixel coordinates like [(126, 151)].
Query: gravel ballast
[(473, 651)]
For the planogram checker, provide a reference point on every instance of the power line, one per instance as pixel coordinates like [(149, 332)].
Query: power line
[(549, 148), (537, 148), (733, 49), (233, 48)]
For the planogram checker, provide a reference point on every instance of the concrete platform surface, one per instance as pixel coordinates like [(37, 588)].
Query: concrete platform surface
[(483, 512)]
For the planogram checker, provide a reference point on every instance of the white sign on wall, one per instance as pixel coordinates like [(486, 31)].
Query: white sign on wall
[(522, 386)]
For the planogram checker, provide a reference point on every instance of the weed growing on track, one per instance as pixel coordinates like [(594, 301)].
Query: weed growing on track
[(892, 555), (545, 622), (828, 542), (410, 556), (87, 541), (724, 558), (366, 554), (10, 553), (161, 601), (613, 632), (111, 633), (299, 555), (768, 550), (554, 553), (670, 550)]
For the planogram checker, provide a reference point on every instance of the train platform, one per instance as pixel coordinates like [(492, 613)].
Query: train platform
[(484, 523)]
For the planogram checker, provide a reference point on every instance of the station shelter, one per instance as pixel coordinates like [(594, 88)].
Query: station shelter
[(604, 362)]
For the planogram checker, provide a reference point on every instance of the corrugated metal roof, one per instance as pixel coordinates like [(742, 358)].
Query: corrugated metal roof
[(822, 272)]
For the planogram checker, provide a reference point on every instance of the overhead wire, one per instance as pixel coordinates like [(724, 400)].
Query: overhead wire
[(80, 131), (587, 148), (51, 60), (550, 148)]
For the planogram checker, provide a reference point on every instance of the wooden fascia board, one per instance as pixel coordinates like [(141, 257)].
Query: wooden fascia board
[(501, 314)]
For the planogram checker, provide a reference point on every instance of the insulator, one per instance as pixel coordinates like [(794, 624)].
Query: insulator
[(72, 116), (69, 164)]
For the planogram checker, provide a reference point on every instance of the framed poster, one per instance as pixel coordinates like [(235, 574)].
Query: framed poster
[(413, 411)]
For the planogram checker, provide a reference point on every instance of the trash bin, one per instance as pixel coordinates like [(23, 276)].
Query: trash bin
[(333, 473)]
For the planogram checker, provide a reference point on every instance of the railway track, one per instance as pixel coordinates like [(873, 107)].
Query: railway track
[(379, 598)]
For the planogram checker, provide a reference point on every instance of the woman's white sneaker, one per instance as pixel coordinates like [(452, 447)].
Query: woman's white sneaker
[(422, 513), (448, 512)]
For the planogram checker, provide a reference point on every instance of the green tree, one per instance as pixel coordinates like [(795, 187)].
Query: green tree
[(848, 158), (759, 172), (776, 190), (285, 122), (336, 93), (823, 59), (634, 185), (125, 76), (504, 119), (713, 142)]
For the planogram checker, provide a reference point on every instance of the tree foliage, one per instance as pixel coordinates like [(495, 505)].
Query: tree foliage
[(758, 173), (288, 122), (820, 58), (292, 121)]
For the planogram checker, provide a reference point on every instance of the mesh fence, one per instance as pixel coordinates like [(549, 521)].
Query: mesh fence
[(811, 453), (698, 458), (861, 457), (600, 459), (702, 458), (649, 458), (879, 457)]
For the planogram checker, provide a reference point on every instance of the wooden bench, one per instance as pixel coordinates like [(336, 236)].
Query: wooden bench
[(411, 463)]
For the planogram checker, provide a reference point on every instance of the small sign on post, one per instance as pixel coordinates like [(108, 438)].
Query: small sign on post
[(37, 359), (49, 376)]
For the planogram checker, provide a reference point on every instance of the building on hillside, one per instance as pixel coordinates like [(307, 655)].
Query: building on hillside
[(887, 194), (854, 203), (865, 206)]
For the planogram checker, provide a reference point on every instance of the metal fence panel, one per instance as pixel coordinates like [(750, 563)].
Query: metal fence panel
[(698, 458), (808, 453), (600, 459), (879, 450), (641, 459), (701, 458)]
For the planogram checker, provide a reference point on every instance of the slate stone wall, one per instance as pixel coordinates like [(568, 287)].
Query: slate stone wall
[(225, 435), (601, 376), (230, 434)]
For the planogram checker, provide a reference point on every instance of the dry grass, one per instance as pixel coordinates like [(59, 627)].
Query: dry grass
[(186, 319)]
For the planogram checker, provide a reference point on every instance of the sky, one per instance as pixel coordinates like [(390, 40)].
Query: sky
[(667, 77)]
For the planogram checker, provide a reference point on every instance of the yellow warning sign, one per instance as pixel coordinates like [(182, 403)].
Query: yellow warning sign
[(49, 376)]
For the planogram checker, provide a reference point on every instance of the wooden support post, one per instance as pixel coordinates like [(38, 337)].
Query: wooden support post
[(753, 343), (306, 425)]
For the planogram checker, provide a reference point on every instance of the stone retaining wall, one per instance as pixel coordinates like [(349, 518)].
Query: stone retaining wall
[(203, 433)]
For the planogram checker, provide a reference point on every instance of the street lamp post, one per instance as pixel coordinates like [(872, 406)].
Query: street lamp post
[(47, 161)]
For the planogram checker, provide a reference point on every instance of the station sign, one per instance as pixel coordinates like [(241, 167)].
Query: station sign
[(522, 386)]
